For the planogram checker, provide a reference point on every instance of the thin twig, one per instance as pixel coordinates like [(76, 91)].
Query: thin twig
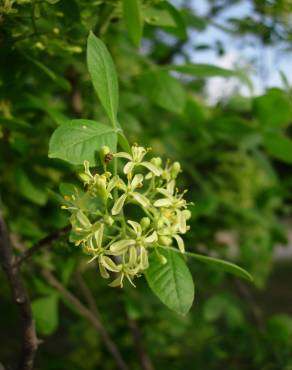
[(87, 294), (255, 310), (45, 242), (86, 313), (145, 360), (21, 299)]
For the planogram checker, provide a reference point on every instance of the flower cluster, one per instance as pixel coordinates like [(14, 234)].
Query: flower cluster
[(120, 220)]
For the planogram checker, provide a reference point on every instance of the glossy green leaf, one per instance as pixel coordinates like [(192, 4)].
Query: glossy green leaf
[(223, 265), (164, 90), (216, 262), (45, 313), (80, 140), (172, 282), (133, 20), (103, 75)]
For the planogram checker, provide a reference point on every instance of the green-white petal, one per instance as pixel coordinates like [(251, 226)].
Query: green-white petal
[(118, 281), (129, 167), (112, 183), (140, 199), (182, 223), (123, 155), (109, 264), (165, 192), (103, 271), (136, 227), (132, 256), (144, 259), (152, 168), (151, 238), (163, 202), (121, 246), (119, 204), (137, 180), (180, 243)]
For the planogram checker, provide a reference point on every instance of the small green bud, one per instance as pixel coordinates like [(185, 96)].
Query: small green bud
[(162, 259), (157, 161), (160, 223), (105, 154), (175, 169), (108, 220), (100, 184), (145, 222), (164, 240), (84, 177), (187, 214)]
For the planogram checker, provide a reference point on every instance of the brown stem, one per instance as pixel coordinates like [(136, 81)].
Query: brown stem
[(21, 300), (145, 360), (86, 313), (45, 242)]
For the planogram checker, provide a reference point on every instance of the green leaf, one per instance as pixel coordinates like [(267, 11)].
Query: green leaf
[(103, 75), (123, 142), (30, 189), (209, 70), (278, 146), (133, 19), (45, 313), (158, 17), (80, 140), (273, 109), (59, 80), (180, 29), (172, 282), (164, 90), (223, 265)]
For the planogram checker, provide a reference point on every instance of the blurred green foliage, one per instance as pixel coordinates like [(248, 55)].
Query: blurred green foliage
[(236, 158)]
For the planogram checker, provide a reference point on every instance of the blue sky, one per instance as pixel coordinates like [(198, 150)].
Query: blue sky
[(239, 52)]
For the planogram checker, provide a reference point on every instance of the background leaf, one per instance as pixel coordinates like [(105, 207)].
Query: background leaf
[(164, 90), (278, 146), (133, 19), (274, 109), (45, 312)]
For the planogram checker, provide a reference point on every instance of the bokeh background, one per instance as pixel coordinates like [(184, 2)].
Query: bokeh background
[(210, 86)]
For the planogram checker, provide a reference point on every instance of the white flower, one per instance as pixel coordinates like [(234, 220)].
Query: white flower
[(136, 159), (139, 240), (129, 192), (172, 233), (175, 202)]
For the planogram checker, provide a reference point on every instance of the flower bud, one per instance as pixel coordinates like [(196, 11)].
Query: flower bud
[(84, 177), (105, 154), (187, 214), (145, 222), (175, 169), (100, 184), (165, 240), (160, 223), (162, 259), (108, 220), (157, 161)]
